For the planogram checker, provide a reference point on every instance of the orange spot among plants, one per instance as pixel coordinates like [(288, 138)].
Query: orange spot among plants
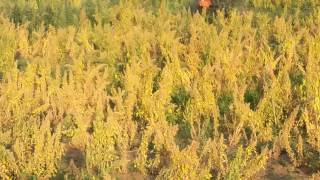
[(205, 4)]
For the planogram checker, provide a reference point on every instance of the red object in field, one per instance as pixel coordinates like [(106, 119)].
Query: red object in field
[(205, 4)]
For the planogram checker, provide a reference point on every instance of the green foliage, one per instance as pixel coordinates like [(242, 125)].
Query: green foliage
[(224, 102), (252, 97), (180, 98)]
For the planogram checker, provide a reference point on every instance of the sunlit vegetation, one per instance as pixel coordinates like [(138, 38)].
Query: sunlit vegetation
[(105, 88)]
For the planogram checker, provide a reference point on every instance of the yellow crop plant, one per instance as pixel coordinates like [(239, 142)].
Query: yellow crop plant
[(146, 89)]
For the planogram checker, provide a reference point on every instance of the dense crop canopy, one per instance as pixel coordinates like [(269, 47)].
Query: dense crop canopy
[(150, 89)]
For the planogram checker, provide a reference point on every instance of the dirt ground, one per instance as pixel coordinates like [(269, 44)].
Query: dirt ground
[(280, 169)]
